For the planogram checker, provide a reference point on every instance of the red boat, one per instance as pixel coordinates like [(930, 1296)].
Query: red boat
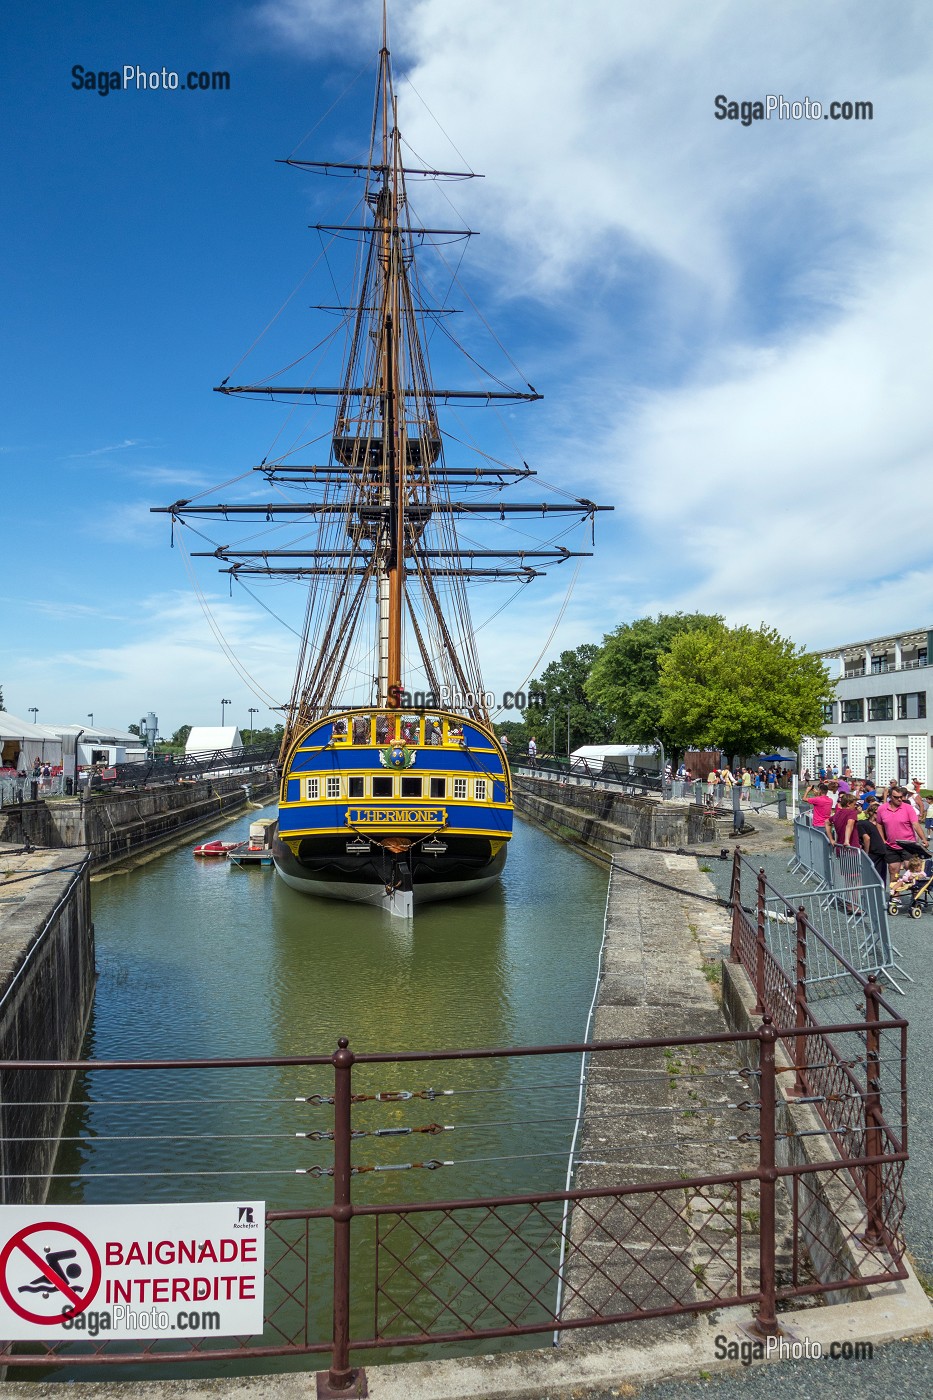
[(217, 848)]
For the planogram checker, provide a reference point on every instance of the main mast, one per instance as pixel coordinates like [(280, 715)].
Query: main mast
[(381, 533), (390, 580)]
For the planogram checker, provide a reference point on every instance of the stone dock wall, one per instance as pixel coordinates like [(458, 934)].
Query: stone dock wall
[(114, 825), (46, 992), (609, 822)]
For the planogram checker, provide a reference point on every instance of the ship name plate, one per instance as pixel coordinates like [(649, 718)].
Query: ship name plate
[(396, 816)]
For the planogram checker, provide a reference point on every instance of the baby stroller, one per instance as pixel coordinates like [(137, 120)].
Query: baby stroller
[(917, 899)]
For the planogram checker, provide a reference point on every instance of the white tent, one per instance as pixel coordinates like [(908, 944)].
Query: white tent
[(619, 755), (21, 743), (208, 739)]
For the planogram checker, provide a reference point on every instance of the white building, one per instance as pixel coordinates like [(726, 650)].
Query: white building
[(98, 744), (878, 721)]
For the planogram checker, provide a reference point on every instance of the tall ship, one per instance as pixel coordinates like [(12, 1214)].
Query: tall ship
[(394, 787)]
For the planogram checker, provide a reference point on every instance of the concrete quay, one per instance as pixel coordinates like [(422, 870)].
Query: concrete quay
[(612, 821)]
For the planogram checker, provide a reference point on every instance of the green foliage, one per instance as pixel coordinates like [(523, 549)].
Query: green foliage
[(563, 684), (518, 735), (624, 680), (269, 737), (180, 737), (133, 729), (2, 706), (740, 689)]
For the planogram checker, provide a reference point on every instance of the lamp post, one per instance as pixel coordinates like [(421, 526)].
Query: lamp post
[(33, 710), (223, 705), (568, 734), (91, 717), (253, 711)]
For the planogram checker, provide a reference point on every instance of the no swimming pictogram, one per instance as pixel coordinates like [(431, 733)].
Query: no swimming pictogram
[(48, 1271)]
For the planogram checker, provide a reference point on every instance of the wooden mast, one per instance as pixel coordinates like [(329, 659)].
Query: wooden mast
[(391, 583)]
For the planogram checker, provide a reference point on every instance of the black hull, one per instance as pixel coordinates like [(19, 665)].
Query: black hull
[(323, 867)]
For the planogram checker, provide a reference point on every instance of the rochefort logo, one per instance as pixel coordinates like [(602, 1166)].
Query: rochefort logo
[(245, 1219)]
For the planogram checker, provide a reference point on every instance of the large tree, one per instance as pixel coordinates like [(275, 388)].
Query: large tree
[(625, 679), (561, 688), (740, 689)]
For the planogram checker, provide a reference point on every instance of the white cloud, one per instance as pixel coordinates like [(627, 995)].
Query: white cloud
[(111, 447), (162, 656)]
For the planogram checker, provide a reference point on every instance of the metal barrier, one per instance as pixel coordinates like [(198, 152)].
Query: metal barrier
[(475, 1268), (849, 904)]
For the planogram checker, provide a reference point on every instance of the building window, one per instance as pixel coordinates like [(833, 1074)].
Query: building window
[(333, 787), (881, 707), (921, 656), (411, 787), (879, 664), (479, 789), (913, 705), (853, 711), (828, 708), (312, 789), (438, 787), (382, 787), (356, 787), (460, 789)]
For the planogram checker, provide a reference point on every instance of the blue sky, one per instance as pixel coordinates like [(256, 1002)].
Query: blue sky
[(729, 324)]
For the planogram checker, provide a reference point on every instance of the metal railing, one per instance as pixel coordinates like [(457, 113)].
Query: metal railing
[(172, 768), (471, 1269), (581, 773), (160, 770), (14, 789)]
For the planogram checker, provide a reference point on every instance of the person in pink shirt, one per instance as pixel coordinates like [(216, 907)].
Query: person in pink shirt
[(821, 803), (841, 827), (900, 824)]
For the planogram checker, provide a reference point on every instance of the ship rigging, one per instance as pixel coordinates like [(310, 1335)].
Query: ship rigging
[(375, 534)]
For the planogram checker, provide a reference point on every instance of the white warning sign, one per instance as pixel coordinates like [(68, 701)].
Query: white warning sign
[(193, 1270)]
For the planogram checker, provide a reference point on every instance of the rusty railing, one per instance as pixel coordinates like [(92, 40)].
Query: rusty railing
[(472, 1269)]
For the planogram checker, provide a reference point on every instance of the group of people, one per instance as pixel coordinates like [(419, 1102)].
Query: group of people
[(42, 774), (758, 780), (893, 827)]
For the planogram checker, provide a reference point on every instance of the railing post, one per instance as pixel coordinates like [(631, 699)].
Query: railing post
[(874, 1233), (735, 901), (766, 1323), (341, 1377), (800, 1001), (760, 946)]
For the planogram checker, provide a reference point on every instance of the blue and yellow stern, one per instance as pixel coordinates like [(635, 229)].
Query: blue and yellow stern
[(394, 807)]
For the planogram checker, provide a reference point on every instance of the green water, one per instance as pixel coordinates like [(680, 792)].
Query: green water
[(202, 959)]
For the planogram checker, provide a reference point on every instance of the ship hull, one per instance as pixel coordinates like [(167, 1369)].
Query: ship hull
[(369, 880)]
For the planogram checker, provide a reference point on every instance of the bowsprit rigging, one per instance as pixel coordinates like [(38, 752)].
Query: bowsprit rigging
[(383, 800)]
